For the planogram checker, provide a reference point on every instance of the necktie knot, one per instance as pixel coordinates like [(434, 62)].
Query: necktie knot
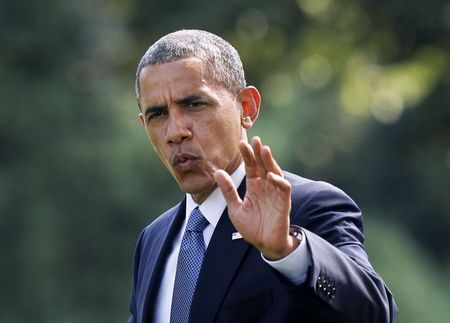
[(196, 221)]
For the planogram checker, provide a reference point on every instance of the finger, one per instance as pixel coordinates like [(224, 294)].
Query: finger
[(270, 163), (228, 189), (256, 145), (283, 185), (249, 159)]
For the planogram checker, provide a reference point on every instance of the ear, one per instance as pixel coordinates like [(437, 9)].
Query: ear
[(250, 101), (141, 118)]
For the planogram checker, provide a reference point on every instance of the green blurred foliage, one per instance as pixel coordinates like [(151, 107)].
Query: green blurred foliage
[(354, 92)]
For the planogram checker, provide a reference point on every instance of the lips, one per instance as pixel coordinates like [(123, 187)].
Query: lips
[(185, 161)]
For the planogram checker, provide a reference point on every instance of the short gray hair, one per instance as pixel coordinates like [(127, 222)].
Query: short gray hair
[(222, 60)]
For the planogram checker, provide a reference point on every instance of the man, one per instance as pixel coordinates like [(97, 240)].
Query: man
[(273, 246)]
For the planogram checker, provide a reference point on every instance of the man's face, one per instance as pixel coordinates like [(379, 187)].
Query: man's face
[(193, 123)]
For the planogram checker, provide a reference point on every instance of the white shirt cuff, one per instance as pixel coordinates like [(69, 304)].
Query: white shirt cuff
[(295, 265)]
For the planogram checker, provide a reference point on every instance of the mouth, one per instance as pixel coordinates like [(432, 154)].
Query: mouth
[(185, 161)]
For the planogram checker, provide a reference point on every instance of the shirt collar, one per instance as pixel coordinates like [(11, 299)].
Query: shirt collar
[(214, 205)]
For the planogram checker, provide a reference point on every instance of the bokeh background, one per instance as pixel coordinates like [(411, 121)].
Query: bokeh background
[(354, 92)]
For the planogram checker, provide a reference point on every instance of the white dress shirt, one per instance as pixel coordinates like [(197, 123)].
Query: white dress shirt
[(294, 266)]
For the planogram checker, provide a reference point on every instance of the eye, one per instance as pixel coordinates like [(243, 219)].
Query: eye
[(154, 115), (195, 104)]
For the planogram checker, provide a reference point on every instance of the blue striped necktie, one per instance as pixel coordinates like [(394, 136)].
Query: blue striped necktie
[(190, 260)]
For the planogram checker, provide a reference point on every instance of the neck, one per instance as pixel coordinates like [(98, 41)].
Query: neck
[(199, 198)]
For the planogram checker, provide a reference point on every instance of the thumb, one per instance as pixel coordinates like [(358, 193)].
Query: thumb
[(229, 191)]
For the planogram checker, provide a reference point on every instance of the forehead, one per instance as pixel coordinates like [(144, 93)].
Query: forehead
[(178, 76)]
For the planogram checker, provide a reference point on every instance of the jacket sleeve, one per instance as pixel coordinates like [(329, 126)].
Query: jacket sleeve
[(341, 281)]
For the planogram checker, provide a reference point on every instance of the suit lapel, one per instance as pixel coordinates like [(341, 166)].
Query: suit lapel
[(221, 262), (155, 265)]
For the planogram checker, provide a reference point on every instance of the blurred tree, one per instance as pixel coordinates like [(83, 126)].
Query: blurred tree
[(420, 292), (71, 195)]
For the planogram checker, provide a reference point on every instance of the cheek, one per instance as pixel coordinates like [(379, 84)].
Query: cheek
[(224, 135), (232, 128), (156, 141), (155, 134)]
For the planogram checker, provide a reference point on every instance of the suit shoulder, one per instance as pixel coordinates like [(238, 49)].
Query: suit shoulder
[(310, 195), (162, 220), (309, 186)]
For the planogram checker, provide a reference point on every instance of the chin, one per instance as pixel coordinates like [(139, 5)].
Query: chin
[(195, 183), (198, 188)]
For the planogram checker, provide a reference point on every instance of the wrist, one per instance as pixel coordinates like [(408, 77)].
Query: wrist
[(293, 241)]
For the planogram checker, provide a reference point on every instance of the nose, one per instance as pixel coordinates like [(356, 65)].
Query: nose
[(178, 128)]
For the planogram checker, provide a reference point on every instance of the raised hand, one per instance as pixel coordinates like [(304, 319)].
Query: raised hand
[(262, 217)]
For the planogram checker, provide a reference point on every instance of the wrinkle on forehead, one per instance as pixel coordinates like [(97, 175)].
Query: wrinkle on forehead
[(193, 64), (197, 65), (170, 81)]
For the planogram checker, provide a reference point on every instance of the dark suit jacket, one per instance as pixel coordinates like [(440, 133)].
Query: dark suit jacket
[(236, 285)]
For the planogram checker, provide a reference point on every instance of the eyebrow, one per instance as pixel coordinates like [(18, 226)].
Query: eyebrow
[(189, 99), (183, 101)]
